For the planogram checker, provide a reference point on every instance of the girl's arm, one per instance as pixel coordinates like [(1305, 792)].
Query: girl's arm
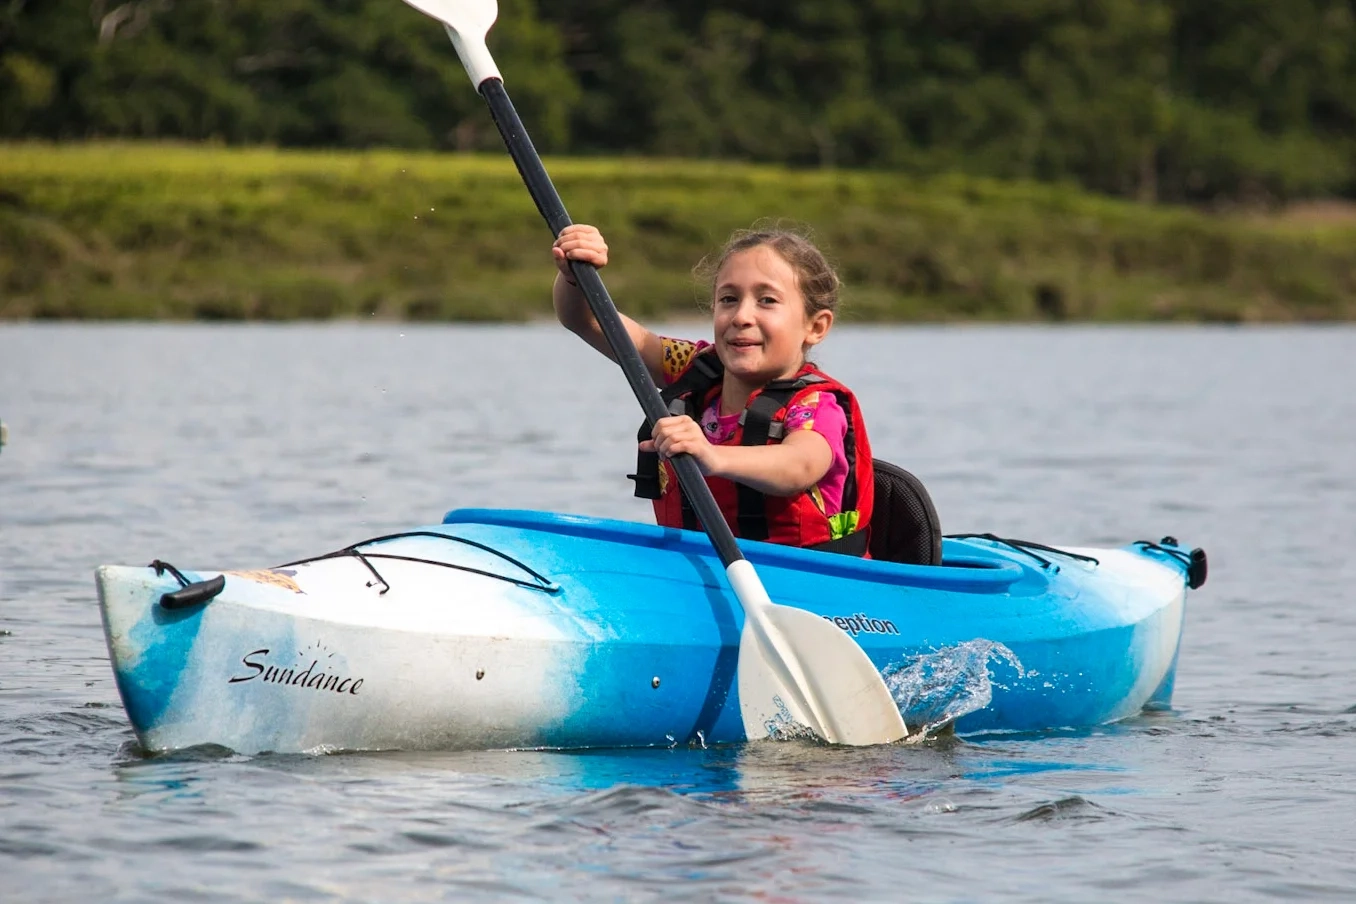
[(585, 243), (792, 466)]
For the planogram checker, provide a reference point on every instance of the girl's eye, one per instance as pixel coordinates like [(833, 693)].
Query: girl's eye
[(767, 300), (727, 299)]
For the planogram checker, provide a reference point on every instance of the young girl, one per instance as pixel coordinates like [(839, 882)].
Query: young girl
[(783, 445)]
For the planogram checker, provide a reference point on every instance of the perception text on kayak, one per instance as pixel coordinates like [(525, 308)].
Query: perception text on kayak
[(309, 677), (860, 624)]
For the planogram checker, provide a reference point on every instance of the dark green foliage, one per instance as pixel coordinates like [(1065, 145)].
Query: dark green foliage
[(1155, 99), (350, 73), (1198, 100)]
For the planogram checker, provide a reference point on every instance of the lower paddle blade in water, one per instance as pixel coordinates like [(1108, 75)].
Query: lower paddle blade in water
[(802, 676)]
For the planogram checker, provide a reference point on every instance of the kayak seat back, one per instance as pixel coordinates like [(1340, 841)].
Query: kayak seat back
[(904, 523)]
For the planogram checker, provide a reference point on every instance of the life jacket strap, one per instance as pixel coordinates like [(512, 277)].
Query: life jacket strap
[(853, 544), (757, 420)]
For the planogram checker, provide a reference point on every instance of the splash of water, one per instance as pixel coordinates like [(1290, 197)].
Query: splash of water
[(791, 731), (935, 689), (782, 726), (932, 690)]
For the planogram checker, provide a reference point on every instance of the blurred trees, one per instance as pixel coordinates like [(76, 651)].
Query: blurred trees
[(347, 73), (1157, 99)]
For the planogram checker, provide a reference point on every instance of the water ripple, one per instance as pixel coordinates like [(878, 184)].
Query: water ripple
[(251, 445), (1067, 809)]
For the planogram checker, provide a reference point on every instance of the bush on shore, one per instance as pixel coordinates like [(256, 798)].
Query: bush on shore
[(134, 231)]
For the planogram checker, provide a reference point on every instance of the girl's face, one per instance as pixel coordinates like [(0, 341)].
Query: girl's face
[(761, 327)]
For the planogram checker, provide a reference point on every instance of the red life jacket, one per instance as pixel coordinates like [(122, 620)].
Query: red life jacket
[(789, 520)]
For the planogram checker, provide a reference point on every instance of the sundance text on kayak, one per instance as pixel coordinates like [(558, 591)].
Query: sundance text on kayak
[(294, 676)]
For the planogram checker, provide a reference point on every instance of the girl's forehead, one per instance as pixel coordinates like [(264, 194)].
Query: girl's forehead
[(760, 263)]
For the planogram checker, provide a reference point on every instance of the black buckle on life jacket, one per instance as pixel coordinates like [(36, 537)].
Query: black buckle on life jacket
[(647, 475)]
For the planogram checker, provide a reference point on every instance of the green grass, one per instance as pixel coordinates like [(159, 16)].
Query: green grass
[(152, 231)]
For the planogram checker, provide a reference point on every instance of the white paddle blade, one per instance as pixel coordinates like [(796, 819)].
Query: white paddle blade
[(799, 674), (468, 22)]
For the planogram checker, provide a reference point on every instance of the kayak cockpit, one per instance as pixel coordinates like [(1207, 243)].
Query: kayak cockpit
[(965, 567)]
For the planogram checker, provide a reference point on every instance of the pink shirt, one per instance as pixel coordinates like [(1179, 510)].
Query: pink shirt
[(817, 411)]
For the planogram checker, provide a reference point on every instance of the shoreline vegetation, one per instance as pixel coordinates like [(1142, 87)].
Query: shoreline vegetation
[(128, 231)]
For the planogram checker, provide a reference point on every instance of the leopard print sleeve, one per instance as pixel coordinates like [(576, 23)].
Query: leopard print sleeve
[(678, 355)]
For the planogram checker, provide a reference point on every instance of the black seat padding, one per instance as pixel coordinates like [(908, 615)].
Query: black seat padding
[(904, 523)]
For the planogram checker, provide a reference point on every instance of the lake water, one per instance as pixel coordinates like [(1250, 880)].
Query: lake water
[(241, 446)]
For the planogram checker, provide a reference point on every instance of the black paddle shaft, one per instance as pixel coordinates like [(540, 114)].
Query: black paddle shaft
[(552, 209)]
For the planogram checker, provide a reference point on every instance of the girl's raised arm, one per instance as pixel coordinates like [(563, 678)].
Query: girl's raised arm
[(581, 242)]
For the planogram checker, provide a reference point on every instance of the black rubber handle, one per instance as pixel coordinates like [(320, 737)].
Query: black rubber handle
[(195, 594)]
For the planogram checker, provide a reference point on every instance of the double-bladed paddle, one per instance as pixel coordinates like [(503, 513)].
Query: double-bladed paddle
[(794, 666)]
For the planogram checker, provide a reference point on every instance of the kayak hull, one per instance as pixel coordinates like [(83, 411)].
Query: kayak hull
[(502, 629)]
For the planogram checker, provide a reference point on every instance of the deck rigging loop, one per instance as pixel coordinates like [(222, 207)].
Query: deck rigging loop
[(1195, 561), (1026, 547), (538, 581)]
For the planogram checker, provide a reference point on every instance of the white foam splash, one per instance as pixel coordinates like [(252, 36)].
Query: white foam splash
[(935, 689), (791, 731)]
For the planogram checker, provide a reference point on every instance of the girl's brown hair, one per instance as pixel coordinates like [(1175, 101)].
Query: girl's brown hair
[(815, 277)]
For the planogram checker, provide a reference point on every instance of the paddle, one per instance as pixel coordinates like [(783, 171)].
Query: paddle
[(794, 667)]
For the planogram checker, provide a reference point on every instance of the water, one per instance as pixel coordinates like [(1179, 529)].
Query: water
[(251, 445)]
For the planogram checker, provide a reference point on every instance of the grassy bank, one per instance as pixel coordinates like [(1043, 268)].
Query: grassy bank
[(155, 231)]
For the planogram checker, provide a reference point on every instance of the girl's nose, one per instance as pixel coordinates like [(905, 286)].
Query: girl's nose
[(744, 312)]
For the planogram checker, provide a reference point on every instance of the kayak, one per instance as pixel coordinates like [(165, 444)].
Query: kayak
[(523, 629)]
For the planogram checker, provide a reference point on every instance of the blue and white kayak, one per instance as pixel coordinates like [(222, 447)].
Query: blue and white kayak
[(519, 629)]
